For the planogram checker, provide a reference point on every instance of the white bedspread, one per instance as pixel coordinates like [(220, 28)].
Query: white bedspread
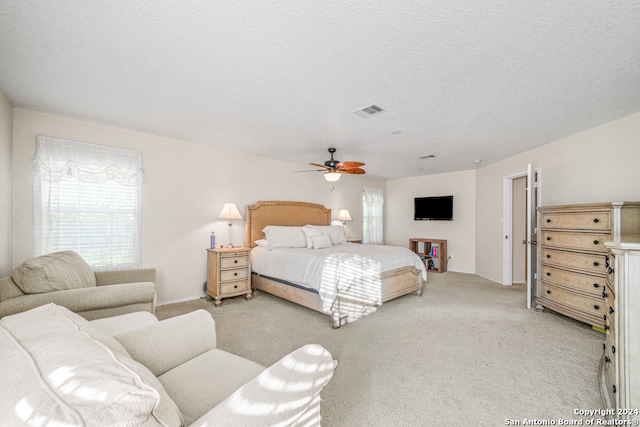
[(350, 269)]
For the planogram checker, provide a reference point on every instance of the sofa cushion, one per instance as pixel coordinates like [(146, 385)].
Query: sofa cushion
[(204, 381), (58, 367), (58, 271)]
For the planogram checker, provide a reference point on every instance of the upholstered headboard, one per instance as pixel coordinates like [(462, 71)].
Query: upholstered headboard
[(264, 213)]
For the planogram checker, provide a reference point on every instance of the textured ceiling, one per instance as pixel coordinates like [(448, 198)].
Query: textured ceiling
[(461, 79)]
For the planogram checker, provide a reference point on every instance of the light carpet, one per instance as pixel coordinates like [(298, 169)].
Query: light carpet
[(465, 353)]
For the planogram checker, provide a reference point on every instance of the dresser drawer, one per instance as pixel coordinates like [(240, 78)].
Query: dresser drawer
[(577, 220), (236, 274), (588, 305), (231, 287), (589, 263), (579, 241), (584, 283), (234, 261)]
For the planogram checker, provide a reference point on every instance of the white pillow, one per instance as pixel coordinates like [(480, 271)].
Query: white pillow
[(320, 242), (309, 232), (285, 237), (335, 232), (264, 243)]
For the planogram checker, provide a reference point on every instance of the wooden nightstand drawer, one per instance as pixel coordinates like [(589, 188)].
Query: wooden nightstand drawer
[(232, 287), (235, 274), (580, 220), (234, 261)]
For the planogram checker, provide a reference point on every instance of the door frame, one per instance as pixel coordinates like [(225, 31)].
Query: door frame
[(507, 224)]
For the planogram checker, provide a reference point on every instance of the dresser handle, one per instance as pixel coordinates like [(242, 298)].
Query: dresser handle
[(614, 388), (595, 285), (605, 317), (613, 349), (548, 291), (610, 270), (235, 261), (607, 360), (611, 310), (548, 220), (596, 306), (606, 327), (596, 263), (548, 274), (604, 294), (548, 238), (235, 274), (548, 256), (596, 242), (235, 286)]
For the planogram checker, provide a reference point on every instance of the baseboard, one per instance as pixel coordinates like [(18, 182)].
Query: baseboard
[(178, 300)]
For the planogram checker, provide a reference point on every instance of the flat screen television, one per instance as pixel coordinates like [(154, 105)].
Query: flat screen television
[(438, 208)]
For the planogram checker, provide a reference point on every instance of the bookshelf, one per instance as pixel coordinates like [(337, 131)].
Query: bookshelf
[(432, 251)]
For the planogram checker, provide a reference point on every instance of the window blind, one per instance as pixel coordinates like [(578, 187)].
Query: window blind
[(87, 199)]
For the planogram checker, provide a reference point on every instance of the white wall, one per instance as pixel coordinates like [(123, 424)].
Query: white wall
[(187, 184), (459, 233), (6, 204), (598, 165)]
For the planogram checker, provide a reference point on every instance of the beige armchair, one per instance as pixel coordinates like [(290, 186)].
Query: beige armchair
[(65, 279)]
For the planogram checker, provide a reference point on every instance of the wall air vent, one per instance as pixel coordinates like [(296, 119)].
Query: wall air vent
[(428, 156), (371, 110)]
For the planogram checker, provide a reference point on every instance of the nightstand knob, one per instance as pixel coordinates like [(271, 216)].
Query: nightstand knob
[(596, 263), (235, 274), (613, 349), (606, 359), (596, 307), (611, 310), (595, 285), (235, 286), (604, 294), (596, 242), (548, 256), (548, 238), (235, 261), (596, 220)]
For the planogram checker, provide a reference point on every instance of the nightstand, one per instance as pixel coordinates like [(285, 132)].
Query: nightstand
[(228, 273)]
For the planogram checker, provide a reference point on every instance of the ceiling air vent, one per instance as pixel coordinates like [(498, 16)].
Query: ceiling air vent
[(371, 110), (428, 156)]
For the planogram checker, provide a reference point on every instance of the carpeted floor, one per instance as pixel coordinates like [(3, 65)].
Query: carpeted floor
[(465, 353)]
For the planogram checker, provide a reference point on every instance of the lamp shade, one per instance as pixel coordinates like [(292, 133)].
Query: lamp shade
[(230, 211), (331, 176), (344, 215)]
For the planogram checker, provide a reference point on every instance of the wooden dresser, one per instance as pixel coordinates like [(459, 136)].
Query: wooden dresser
[(619, 373), (573, 256)]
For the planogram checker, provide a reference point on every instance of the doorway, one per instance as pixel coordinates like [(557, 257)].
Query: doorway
[(512, 207)]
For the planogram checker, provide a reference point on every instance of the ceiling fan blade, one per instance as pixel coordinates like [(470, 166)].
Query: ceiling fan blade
[(349, 165), (353, 171), (319, 166), (311, 170)]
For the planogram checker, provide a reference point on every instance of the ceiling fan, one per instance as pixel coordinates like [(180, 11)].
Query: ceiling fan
[(334, 168)]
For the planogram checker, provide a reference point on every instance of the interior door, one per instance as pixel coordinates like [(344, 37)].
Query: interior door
[(532, 230)]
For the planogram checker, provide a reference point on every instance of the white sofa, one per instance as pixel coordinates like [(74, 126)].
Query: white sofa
[(60, 369)]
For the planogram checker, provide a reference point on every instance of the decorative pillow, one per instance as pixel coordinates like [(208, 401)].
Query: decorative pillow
[(264, 243), (309, 232), (285, 237), (58, 271), (335, 232), (320, 242), (74, 374)]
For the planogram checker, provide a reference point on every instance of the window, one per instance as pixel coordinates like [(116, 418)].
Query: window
[(87, 199), (372, 224)]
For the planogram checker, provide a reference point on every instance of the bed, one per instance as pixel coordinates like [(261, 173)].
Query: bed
[(355, 295)]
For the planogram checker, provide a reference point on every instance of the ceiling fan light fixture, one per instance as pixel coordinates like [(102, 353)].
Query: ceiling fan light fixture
[(331, 176)]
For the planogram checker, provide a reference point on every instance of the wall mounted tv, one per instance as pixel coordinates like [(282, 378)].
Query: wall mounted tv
[(433, 208)]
